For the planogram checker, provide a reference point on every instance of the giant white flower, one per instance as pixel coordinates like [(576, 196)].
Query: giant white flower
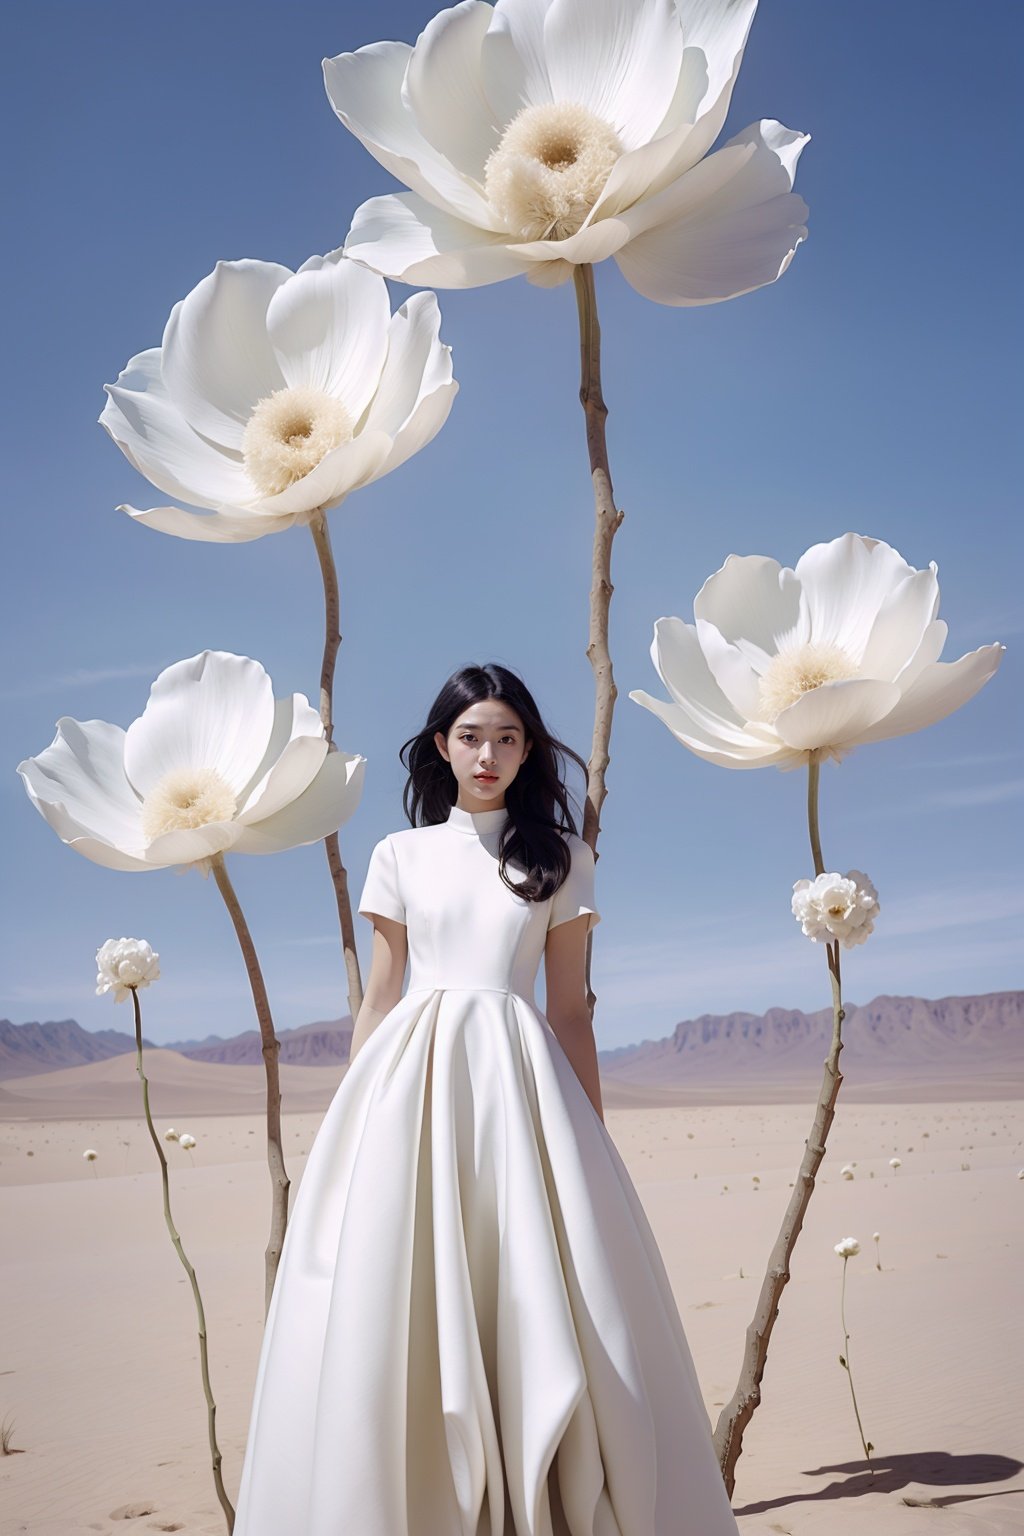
[(536, 135), (214, 762), (277, 393), (781, 663)]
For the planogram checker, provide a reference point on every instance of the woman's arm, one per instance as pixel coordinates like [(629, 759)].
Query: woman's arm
[(565, 956), (387, 973)]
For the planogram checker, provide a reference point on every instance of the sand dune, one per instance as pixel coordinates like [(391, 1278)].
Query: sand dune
[(180, 1086), (99, 1370)]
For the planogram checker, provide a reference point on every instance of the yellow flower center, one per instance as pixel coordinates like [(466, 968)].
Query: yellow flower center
[(288, 433), (795, 672), (550, 169), (187, 797)]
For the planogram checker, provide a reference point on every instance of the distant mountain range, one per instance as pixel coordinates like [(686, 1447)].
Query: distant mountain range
[(29, 1048), (891, 1035)]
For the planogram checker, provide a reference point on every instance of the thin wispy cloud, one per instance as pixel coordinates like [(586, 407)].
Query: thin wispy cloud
[(990, 627), (977, 794), (81, 677), (916, 764)]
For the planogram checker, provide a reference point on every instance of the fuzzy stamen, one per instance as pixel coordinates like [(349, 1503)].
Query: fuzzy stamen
[(288, 433), (187, 797), (550, 169), (795, 672)]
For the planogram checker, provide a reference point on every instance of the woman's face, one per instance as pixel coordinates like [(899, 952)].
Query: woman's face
[(486, 746)]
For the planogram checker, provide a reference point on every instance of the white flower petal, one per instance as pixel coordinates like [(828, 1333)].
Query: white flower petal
[(328, 326), (424, 424), (844, 584), (837, 714), (154, 436), (726, 756), (592, 243), (709, 716), (291, 775), (416, 388), (726, 227), (731, 670), (326, 804), (754, 603), (99, 852), (929, 650), (417, 364), (444, 89), (901, 624), (550, 274), (365, 89), (683, 668), (714, 36), (620, 61), (342, 470), (214, 710), (513, 59), (407, 238), (187, 845), (211, 528), (297, 747), (217, 358), (80, 776), (940, 689)]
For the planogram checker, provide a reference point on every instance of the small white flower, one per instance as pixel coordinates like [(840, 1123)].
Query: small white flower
[(834, 906), (90, 1154), (876, 1236), (186, 1141), (847, 1170), (124, 964), (170, 1134), (847, 1247), (895, 1162), (1020, 1173)]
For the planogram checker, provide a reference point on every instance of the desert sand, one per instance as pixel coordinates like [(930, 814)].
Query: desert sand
[(99, 1369)]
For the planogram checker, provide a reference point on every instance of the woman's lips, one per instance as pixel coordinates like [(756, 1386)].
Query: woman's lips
[(486, 778)]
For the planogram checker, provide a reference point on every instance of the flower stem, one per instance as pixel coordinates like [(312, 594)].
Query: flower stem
[(271, 1052), (845, 1361), (607, 519), (332, 640), (813, 776), (211, 1406), (738, 1412)]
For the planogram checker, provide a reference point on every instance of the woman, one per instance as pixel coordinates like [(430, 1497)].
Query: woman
[(472, 1332)]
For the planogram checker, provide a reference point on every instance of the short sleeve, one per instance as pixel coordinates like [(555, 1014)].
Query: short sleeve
[(576, 895), (380, 888)]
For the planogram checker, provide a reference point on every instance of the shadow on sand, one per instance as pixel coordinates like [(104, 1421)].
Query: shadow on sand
[(936, 1469)]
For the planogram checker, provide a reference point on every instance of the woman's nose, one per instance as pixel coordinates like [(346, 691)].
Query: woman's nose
[(486, 752)]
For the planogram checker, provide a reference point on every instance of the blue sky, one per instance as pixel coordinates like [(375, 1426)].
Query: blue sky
[(874, 388)]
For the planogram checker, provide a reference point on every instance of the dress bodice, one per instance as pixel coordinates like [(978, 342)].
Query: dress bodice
[(466, 929)]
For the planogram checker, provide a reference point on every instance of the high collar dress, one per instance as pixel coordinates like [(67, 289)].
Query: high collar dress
[(472, 1331)]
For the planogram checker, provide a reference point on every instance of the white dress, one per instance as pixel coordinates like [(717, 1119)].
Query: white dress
[(472, 1332)]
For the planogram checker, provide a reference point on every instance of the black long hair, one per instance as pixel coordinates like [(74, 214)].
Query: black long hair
[(537, 800)]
